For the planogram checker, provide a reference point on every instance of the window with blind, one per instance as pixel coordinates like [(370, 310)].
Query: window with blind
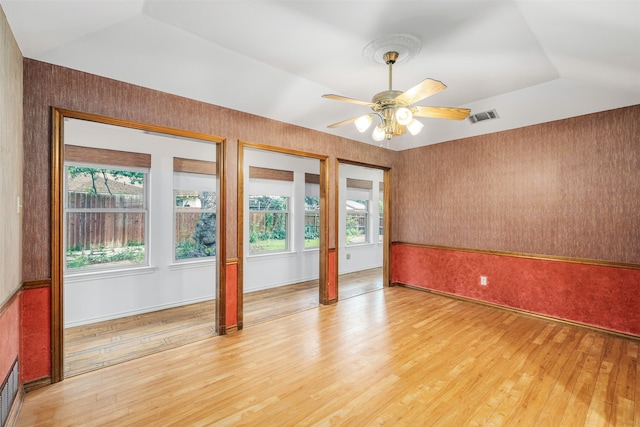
[(194, 212), (357, 211), (312, 211), (381, 213), (268, 224), (269, 214), (105, 209)]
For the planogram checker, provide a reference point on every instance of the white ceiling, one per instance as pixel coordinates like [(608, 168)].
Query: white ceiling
[(533, 61)]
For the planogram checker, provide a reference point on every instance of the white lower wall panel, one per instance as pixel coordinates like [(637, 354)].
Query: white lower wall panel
[(95, 300)]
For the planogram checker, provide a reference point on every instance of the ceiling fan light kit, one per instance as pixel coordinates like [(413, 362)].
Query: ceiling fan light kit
[(393, 107), (414, 127), (363, 122), (404, 116)]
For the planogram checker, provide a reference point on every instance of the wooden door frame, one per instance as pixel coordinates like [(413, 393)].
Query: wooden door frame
[(386, 232), (57, 227), (324, 218)]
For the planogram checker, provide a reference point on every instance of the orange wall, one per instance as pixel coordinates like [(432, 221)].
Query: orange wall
[(595, 295), (9, 334), (35, 342), (232, 294)]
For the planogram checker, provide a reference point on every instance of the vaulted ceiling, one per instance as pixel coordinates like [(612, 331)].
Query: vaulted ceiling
[(532, 61)]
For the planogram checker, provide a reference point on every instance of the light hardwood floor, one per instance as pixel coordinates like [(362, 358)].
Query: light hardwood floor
[(396, 357), (101, 344)]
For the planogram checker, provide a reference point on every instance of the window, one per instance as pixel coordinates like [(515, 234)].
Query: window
[(357, 221), (268, 224), (311, 222), (194, 209), (357, 211), (312, 211), (381, 214), (105, 216), (195, 224)]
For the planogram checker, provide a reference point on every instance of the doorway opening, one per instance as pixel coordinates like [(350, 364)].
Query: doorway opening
[(137, 225), (363, 228), (282, 240)]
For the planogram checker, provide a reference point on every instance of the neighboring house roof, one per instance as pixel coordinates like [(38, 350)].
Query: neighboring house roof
[(353, 205), (83, 183)]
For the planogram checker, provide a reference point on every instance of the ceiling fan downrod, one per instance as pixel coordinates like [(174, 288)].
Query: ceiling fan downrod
[(390, 58)]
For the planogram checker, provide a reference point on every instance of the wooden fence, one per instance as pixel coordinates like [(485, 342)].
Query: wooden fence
[(185, 224), (87, 230)]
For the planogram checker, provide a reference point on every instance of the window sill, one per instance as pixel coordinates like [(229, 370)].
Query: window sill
[(360, 245), (108, 274), (257, 257), (192, 264)]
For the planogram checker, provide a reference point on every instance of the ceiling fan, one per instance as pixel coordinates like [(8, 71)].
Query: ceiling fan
[(395, 109)]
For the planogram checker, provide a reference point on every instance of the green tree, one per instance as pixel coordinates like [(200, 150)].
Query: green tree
[(93, 173), (204, 234)]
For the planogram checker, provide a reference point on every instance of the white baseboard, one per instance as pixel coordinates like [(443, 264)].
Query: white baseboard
[(361, 268), (277, 285), (135, 312)]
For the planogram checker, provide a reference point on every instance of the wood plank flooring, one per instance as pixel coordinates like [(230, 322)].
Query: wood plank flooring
[(101, 344), (397, 357), (359, 282)]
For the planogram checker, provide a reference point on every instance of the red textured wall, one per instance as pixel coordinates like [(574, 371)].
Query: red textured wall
[(232, 295), (596, 295), (9, 336), (331, 276), (35, 347)]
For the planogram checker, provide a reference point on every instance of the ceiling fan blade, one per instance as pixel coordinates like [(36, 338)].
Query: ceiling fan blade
[(441, 112), (344, 122), (422, 90), (345, 99)]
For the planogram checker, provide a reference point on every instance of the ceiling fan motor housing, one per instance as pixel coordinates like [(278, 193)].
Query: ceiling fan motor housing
[(386, 97), (385, 106)]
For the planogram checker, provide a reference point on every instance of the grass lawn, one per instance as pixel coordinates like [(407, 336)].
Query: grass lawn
[(312, 243), (270, 245), (276, 245)]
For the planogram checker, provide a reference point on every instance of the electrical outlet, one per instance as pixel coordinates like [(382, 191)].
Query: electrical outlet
[(483, 280), (348, 255)]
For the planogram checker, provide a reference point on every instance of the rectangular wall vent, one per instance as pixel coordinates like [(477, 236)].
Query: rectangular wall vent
[(485, 115), (8, 392)]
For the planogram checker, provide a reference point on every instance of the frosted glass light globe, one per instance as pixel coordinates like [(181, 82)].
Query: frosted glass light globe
[(404, 116)]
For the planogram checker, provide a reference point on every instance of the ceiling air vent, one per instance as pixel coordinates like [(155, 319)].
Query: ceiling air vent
[(485, 115)]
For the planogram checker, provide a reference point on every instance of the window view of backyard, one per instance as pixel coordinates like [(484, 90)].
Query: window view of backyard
[(381, 218), (195, 224), (311, 222), (357, 224), (105, 217), (268, 224)]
